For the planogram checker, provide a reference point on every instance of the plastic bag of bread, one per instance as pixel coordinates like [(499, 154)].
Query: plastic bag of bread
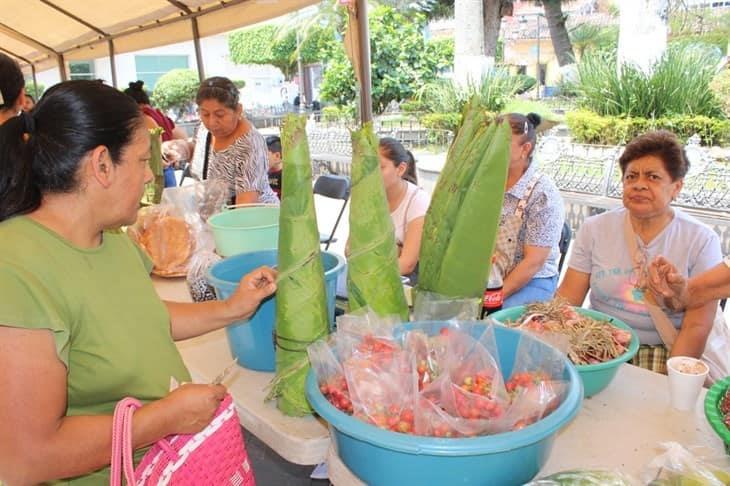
[(167, 238)]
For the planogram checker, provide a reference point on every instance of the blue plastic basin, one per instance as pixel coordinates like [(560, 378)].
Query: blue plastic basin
[(597, 376), (381, 457), (252, 341)]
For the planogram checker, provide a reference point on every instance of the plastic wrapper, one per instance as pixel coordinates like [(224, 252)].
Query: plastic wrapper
[(587, 477), (163, 232), (176, 153), (383, 389), (430, 306), (677, 466), (433, 420), (536, 385)]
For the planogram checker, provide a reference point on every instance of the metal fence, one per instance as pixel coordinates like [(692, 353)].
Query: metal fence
[(589, 178)]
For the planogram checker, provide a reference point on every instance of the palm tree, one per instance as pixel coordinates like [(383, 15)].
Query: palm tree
[(558, 32), (493, 11), (587, 36)]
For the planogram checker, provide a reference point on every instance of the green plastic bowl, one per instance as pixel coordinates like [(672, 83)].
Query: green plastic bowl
[(712, 410), (595, 377), (246, 229)]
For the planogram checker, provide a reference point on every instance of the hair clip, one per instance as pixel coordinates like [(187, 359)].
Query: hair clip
[(527, 127)]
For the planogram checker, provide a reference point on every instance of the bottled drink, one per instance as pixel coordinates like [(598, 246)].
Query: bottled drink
[(493, 295)]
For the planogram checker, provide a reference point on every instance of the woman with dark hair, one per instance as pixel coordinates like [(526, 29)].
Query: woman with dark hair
[(155, 118), (12, 88), (612, 250), (81, 326), (407, 202), (228, 146), (526, 252)]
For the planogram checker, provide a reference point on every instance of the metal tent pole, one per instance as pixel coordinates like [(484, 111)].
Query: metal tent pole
[(112, 63), (198, 51), (366, 98)]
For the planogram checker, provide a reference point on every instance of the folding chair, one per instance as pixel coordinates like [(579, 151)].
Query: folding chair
[(333, 187), (565, 236)]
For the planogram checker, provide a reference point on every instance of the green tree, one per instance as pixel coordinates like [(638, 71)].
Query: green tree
[(402, 60), (175, 90), (271, 45)]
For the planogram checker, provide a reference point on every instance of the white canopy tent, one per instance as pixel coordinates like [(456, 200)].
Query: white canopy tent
[(42, 34)]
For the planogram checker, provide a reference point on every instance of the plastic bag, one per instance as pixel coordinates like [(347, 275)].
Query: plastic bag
[(586, 477), (365, 332), (534, 325), (383, 389), (678, 466), (474, 388), (197, 202), (330, 375), (163, 232), (433, 420), (200, 200), (536, 383), (429, 352), (430, 306)]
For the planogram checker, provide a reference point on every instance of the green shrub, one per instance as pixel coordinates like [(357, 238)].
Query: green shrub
[(30, 89), (176, 90), (441, 121), (410, 106), (589, 127), (720, 85), (331, 113), (677, 85), (495, 90)]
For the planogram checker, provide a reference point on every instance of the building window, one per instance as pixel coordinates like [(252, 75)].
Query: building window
[(150, 68), (542, 74), (521, 69), (82, 69)]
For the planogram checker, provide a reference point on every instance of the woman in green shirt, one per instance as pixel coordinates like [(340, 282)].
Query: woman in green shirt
[(81, 325)]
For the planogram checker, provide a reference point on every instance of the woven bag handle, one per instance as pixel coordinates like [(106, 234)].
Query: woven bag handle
[(121, 460)]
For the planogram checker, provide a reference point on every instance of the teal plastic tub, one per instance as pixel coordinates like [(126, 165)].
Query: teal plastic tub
[(595, 377), (384, 458), (245, 229), (252, 341)]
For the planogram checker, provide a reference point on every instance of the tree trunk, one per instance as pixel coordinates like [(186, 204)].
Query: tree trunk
[(493, 11), (642, 23), (558, 33), (470, 63)]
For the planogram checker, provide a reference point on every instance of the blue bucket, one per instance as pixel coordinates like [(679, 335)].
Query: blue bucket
[(252, 341), (388, 458)]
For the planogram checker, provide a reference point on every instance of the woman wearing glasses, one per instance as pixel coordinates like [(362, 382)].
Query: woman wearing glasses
[(612, 250), (228, 147), (526, 252)]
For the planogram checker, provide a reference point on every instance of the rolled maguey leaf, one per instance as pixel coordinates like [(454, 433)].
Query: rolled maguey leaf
[(301, 298), (462, 221), (373, 280)]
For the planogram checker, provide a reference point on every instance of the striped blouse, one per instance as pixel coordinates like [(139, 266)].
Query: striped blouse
[(244, 164)]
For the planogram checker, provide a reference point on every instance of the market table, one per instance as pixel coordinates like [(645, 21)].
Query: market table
[(298, 440), (619, 428)]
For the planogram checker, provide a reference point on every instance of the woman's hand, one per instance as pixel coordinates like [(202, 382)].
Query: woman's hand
[(252, 289), (667, 284), (190, 408)]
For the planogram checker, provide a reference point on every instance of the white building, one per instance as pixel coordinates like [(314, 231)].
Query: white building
[(264, 84)]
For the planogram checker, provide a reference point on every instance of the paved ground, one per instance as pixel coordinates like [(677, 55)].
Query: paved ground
[(271, 470)]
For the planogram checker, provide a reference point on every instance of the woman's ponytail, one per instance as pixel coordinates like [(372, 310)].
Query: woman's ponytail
[(19, 193), (410, 173)]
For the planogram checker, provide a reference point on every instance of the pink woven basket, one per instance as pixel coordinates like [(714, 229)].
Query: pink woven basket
[(216, 455)]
